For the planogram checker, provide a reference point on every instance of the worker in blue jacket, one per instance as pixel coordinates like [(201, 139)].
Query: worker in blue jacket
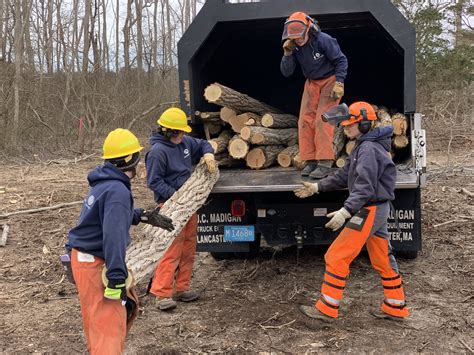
[(370, 175), (169, 164), (325, 68), (100, 240)]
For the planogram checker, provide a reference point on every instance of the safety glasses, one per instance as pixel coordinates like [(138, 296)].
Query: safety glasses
[(294, 29)]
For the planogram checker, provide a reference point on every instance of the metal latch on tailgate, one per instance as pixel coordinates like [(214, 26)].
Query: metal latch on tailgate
[(418, 146)]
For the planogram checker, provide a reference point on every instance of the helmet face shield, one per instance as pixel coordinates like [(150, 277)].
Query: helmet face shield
[(337, 114), (294, 29)]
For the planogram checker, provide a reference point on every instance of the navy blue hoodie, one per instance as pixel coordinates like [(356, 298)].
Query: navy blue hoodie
[(106, 216), (169, 165), (369, 172), (320, 58)]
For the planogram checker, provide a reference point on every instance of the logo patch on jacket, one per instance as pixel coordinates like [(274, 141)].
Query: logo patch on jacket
[(186, 153), (90, 201)]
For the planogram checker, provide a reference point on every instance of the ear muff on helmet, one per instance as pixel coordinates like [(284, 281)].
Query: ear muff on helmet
[(313, 24), (364, 124)]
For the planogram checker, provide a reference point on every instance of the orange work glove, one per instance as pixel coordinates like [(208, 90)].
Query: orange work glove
[(337, 90), (288, 47)]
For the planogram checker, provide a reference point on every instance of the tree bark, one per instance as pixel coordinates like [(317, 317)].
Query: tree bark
[(220, 143), (269, 136), (264, 156), (238, 148), (287, 155), (400, 125), (240, 121), (18, 39), (153, 242), (209, 116), (225, 160), (85, 24), (224, 96), (298, 163), (227, 113), (279, 120)]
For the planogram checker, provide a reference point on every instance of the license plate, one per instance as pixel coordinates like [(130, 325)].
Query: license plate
[(239, 233)]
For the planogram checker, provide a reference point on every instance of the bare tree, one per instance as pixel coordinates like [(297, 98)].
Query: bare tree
[(85, 28), (18, 35)]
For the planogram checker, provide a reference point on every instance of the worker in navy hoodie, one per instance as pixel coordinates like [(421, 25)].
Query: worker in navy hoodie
[(169, 164), (370, 175), (325, 68), (100, 240)]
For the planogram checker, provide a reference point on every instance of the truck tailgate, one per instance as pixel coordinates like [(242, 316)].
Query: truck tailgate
[(282, 179)]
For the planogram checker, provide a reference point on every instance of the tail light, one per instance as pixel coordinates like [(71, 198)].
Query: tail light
[(237, 208)]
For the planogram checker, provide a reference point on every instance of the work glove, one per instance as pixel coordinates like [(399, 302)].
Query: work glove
[(156, 219), (337, 90), (288, 47), (338, 218), (116, 291), (210, 163), (307, 190)]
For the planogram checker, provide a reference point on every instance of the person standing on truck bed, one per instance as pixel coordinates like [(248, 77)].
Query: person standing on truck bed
[(97, 246), (369, 174), (325, 68), (169, 164)]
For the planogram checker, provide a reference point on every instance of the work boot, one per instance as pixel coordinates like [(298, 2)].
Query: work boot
[(310, 166), (323, 169), (186, 296), (165, 303), (379, 314), (313, 312)]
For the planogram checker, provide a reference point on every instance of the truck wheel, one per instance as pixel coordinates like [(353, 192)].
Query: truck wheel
[(407, 254), (222, 255)]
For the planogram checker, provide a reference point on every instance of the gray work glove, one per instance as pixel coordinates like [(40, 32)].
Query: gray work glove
[(288, 47), (338, 218), (156, 219), (307, 190)]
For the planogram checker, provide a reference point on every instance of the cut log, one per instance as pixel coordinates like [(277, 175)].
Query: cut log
[(214, 128), (227, 113), (238, 122), (238, 148), (252, 119), (399, 142), (263, 157), (224, 96), (147, 249), (279, 120), (220, 143), (341, 161), (339, 141), (298, 163), (3, 238), (350, 146), (286, 156), (269, 136), (209, 116), (400, 125), (225, 160), (383, 118)]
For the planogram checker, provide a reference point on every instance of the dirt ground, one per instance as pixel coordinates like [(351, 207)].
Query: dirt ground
[(246, 305)]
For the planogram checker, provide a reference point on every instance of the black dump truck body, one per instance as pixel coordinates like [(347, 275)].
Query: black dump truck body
[(239, 45)]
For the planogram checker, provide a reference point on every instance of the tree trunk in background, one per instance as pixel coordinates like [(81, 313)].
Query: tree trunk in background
[(139, 9), (169, 34), (18, 35), (26, 33), (94, 37), (49, 38), (2, 35), (105, 42), (458, 12), (117, 35), (85, 28), (126, 36), (154, 44)]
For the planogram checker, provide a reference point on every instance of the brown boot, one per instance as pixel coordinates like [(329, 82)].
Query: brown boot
[(165, 303), (313, 312), (186, 296), (377, 313)]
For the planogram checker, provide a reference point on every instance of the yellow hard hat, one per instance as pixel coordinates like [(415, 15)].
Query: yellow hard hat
[(120, 143), (174, 118)]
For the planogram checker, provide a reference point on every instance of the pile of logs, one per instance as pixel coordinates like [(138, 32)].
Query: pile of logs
[(249, 132)]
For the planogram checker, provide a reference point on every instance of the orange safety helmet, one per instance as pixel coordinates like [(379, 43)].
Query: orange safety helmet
[(361, 112), (297, 25)]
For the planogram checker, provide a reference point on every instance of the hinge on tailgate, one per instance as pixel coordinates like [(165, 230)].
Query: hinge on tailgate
[(418, 146)]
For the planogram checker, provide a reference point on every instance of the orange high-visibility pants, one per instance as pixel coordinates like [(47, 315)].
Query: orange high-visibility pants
[(368, 226), (173, 273), (315, 137), (104, 320)]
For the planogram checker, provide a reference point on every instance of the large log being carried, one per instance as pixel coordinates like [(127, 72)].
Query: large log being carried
[(153, 242), (279, 120), (263, 157), (269, 136), (286, 156), (220, 143), (224, 96)]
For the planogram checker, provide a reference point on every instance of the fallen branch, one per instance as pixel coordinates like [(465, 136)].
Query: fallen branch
[(467, 346), (467, 192), (41, 209), (3, 239), (449, 222), (276, 326)]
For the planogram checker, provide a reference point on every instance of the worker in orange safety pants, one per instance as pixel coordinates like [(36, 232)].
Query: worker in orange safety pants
[(169, 164), (325, 68), (369, 174), (100, 240)]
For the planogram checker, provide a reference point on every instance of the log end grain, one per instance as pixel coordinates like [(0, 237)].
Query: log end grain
[(212, 93)]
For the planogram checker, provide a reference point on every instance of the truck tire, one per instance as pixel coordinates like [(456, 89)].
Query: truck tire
[(407, 254)]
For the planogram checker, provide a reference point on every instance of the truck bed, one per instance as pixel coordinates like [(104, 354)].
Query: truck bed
[(285, 179)]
